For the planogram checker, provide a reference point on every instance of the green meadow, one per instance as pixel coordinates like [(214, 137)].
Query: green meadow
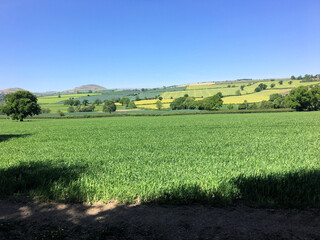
[(267, 159)]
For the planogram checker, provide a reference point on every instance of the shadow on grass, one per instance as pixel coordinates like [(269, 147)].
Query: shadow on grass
[(295, 189), (5, 137), (152, 221), (44, 180)]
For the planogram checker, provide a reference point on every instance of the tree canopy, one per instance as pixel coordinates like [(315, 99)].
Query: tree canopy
[(109, 106), (299, 98), (21, 104)]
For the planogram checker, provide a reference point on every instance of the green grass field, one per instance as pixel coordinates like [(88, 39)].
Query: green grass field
[(270, 159)]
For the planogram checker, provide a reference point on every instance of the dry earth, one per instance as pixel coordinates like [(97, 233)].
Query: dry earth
[(36, 220)]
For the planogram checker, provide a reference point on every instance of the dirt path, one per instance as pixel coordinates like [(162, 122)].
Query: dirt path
[(32, 220)]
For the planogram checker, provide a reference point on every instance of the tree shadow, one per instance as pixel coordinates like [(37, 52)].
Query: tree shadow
[(45, 180), (188, 219), (5, 137), (293, 189)]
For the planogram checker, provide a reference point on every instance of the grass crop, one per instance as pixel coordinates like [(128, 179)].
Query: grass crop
[(269, 159)]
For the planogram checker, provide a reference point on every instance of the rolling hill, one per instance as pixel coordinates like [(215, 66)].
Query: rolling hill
[(88, 87)]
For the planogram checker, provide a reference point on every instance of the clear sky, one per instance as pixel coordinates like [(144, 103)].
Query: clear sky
[(61, 44)]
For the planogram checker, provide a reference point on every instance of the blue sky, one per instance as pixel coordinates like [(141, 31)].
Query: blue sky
[(57, 45)]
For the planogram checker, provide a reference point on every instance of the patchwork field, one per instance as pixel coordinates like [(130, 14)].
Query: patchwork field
[(56, 99), (200, 91), (268, 159), (253, 97)]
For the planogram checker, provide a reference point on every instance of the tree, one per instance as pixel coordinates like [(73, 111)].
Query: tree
[(238, 93), (257, 89), (315, 98), (230, 106), (60, 113), (90, 91), (97, 101), (293, 77), (76, 102), (137, 98), (290, 82), (186, 95), (260, 87), (20, 104), (70, 109), (242, 106), (299, 98), (132, 105), (266, 104), (160, 98), (59, 96), (253, 106), (178, 103), (280, 82), (272, 85), (275, 96), (85, 102), (159, 104), (124, 101), (212, 103), (69, 101), (189, 103), (242, 87), (109, 106), (220, 94)]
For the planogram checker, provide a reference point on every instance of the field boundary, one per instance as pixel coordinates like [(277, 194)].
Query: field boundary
[(162, 114)]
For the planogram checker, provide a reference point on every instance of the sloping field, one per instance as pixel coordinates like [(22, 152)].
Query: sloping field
[(194, 158), (200, 91), (206, 92), (253, 97), (56, 99)]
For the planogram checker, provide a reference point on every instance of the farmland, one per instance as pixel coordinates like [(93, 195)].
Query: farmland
[(56, 99), (147, 98), (259, 158)]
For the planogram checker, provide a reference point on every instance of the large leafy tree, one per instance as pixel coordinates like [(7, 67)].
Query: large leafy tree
[(315, 98), (178, 103), (212, 103), (21, 104), (109, 106), (125, 101), (299, 98)]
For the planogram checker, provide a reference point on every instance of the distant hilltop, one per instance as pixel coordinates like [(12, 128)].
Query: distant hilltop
[(88, 87), (83, 88), (10, 90)]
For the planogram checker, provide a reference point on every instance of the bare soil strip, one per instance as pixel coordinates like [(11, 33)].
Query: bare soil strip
[(30, 220)]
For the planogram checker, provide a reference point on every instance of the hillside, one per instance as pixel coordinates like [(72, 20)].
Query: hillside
[(10, 90), (92, 87)]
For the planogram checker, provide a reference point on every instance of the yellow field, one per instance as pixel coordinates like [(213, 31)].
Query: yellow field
[(254, 97), (153, 106), (152, 101), (56, 99)]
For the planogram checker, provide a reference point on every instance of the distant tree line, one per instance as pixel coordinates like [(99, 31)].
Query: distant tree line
[(186, 102), (306, 78), (300, 98)]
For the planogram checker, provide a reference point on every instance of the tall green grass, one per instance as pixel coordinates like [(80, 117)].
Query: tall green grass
[(268, 159)]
